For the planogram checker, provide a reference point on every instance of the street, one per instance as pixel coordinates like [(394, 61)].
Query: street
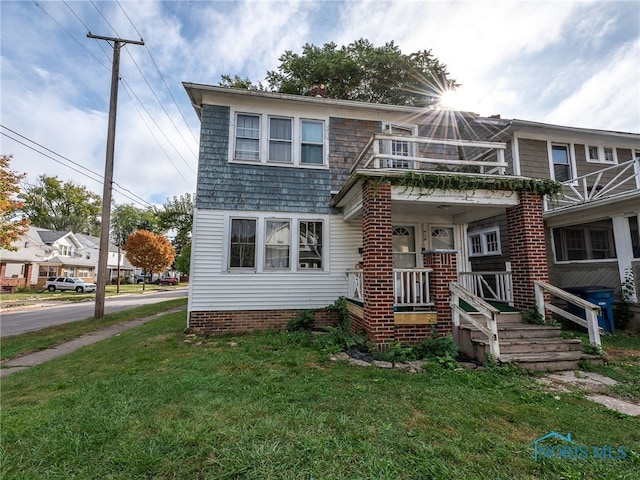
[(36, 318)]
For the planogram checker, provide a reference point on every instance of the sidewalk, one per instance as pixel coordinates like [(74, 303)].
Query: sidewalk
[(26, 361)]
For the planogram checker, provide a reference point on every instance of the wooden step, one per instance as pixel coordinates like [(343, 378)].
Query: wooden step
[(518, 330), (541, 345), (544, 361)]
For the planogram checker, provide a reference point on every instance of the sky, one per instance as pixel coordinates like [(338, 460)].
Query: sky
[(559, 62)]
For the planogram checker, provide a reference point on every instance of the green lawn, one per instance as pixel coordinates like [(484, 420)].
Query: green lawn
[(154, 403)]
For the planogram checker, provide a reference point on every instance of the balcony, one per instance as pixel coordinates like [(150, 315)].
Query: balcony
[(422, 154)]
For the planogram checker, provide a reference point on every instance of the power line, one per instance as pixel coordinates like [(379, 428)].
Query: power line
[(159, 72), (104, 18), (70, 34), (122, 190)]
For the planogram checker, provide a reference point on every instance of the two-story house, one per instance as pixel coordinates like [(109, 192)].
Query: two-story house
[(41, 253), (301, 200)]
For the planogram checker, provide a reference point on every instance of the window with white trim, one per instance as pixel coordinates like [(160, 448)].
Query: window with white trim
[(264, 244), (242, 250), (277, 245), (484, 242), (600, 154), (280, 140), (312, 143), (591, 241), (247, 137), (310, 247), (561, 158), (285, 140), (399, 148)]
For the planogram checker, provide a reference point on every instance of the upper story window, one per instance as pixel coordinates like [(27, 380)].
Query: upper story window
[(399, 148), (600, 154), (562, 164), (280, 140), (284, 140), (247, 137), (312, 143)]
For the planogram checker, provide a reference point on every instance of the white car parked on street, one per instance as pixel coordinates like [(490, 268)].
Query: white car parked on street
[(69, 283)]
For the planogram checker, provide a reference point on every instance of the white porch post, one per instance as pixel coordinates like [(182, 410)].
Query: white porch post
[(624, 248)]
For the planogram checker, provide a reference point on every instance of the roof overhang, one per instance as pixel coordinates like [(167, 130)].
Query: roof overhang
[(623, 204)]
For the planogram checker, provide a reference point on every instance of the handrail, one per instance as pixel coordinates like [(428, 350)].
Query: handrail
[(591, 310), (488, 311), (411, 287)]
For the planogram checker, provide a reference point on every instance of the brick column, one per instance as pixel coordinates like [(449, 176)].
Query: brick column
[(28, 271), (528, 251), (445, 271), (377, 259)]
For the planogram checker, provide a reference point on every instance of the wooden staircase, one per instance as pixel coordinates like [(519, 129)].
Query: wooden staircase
[(535, 347)]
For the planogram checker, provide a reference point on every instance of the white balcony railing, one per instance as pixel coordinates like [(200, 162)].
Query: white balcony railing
[(410, 286), (611, 181), (432, 154)]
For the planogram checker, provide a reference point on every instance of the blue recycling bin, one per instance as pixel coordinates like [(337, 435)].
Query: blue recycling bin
[(601, 296)]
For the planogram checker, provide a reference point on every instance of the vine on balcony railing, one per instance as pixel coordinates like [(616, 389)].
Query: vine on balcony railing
[(429, 182)]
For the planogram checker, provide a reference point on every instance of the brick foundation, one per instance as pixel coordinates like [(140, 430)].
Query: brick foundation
[(243, 321)]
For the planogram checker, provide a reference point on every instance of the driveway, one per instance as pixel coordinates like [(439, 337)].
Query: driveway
[(27, 319)]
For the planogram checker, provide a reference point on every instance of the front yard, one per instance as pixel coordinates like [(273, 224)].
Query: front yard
[(157, 403)]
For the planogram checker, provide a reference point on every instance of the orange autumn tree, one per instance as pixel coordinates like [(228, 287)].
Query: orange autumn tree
[(11, 228), (152, 252)]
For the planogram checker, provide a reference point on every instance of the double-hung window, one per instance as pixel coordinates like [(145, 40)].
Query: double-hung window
[(561, 162), (277, 244), (243, 243), (310, 245), (592, 241), (280, 140), (312, 143), (247, 137)]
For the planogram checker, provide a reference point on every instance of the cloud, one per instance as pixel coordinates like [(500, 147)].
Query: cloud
[(609, 99)]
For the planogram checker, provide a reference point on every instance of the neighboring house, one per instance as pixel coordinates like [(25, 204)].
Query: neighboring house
[(301, 200), (42, 253), (91, 251), (592, 228)]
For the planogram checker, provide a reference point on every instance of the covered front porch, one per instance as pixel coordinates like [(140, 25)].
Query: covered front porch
[(414, 215)]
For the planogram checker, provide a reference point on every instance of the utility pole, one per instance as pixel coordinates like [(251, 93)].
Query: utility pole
[(118, 43)]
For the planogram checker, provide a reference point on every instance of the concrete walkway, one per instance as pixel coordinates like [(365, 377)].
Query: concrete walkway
[(26, 361)]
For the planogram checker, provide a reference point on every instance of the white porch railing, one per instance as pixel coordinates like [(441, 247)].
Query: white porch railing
[(424, 153), (621, 178), (354, 280), (489, 325), (410, 286), (590, 322), (496, 286)]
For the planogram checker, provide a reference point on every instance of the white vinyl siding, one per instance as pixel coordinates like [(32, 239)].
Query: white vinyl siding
[(212, 287)]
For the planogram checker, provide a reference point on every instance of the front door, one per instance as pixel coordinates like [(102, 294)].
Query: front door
[(404, 247)]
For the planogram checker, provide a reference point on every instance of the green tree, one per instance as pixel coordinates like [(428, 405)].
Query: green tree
[(126, 219), (55, 205), (238, 82), (11, 228), (177, 216), (360, 71), (183, 260)]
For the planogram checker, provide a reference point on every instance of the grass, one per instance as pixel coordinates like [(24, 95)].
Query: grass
[(17, 345), (155, 403)]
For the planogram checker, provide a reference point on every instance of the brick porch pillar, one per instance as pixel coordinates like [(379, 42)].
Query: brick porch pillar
[(528, 251), (445, 271), (28, 271), (377, 259)]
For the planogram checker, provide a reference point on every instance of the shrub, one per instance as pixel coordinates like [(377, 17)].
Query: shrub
[(302, 321)]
